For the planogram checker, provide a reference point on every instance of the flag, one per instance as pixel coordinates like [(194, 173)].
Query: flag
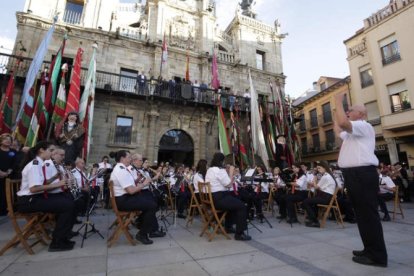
[(223, 137), (215, 83), (36, 125), (60, 105), (187, 68), (258, 140), (164, 56), (34, 69), (24, 122), (6, 107), (74, 89)]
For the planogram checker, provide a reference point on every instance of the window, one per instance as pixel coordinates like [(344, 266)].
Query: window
[(313, 118), (399, 96), (390, 53), (316, 143), (345, 103), (260, 60), (330, 139), (123, 130), (365, 75), (327, 114), (373, 114), (128, 80), (302, 123), (304, 145), (73, 11)]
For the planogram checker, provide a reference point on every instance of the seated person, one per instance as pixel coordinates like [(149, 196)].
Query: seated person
[(386, 192)]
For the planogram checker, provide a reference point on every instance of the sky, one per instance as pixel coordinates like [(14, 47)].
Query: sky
[(316, 31)]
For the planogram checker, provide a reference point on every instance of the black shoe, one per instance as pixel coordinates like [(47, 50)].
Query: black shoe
[(386, 218), (367, 261), (157, 234), (181, 216), (60, 246), (292, 220), (242, 237), (143, 239), (312, 224), (358, 253), (230, 230)]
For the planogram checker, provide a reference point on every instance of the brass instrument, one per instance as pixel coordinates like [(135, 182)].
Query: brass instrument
[(71, 183)]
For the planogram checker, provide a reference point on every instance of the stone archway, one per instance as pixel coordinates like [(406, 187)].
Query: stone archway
[(176, 146)]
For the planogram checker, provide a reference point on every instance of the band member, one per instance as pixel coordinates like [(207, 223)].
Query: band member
[(278, 189), (310, 175), (35, 196), (297, 192), (181, 191), (282, 152), (200, 175), (358, 163), (128, 197), (70, 136), (220, 181), (386, 192), (324, 189), (102, 181), (343, 200)]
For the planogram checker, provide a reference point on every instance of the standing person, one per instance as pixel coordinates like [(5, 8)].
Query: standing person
[(7, 163), (71, 137), (281, 152), (358, 163), (220, 181)]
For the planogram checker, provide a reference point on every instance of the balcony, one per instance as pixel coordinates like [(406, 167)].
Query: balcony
[(386, 12), (400, 107), (366, 83), (326, 118), (320, 148), (391, 59), (72, 17)]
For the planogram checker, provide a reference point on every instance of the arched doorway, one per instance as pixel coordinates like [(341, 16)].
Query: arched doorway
[(176, 146)]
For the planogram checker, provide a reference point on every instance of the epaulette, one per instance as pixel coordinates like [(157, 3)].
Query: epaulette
[(122, 167), (73, 171), (35, 162)]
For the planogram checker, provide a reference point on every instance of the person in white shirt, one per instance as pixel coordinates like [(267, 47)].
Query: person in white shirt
[(128, 197), (200, 175), (324, 189), (386, 192), (220, 182), (358, 163), (35, 196)]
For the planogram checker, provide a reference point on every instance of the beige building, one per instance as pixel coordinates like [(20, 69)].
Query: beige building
[(381, 60), (159, 122), (315, 111)]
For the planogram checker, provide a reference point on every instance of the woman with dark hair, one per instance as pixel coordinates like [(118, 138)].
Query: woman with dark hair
[(128, 197), (324, 189), (297, 192), (35, 196), (200, 175), (7, 164), (71, 137), (220, 182)]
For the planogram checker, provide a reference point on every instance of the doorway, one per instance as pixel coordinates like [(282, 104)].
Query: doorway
[(176, 147)]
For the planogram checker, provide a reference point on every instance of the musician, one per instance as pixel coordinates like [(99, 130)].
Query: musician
[(386, 192), (128, 197), (324, 189), (310, 175), (35, 196), (70, 136), (140, 171), (297, 192), (343, 200), (282, 152), (180, 188), (278, 188), (220, 181), (199, 176), (104, 165), (261, 190)]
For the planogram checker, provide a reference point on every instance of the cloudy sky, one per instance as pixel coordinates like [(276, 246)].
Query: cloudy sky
[(316, 28)]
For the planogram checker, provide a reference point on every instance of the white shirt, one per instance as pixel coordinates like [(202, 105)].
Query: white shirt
[(122, 179), (218, 178), (102, 165), (197, 178), (387, 182), (327, 184), (32, 175), (137, 174), (51, 171), (339, 178), (80, 177), (278, 182), (358, 147), (302, 183)]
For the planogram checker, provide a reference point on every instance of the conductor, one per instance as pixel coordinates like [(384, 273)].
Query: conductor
[(358, 164)]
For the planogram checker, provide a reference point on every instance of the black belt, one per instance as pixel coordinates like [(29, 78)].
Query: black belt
[(358, 168)]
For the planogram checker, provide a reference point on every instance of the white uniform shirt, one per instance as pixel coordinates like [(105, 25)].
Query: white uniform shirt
[(327, 184), (122, 179), (218, 178), (197, 178), (302, 183), (386, 181), (32, 175), (278, 181), (102, 165), (339, 178), (358, 147), (80, 177), (51, 171), (136, 174)]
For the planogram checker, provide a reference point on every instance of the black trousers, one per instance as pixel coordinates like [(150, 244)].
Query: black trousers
[(183, 199), (139, 202), (58, 204), (236, 210), (150, 197), (362, 186), (382, 198), (286, 203), (3, 203), (311, 204)]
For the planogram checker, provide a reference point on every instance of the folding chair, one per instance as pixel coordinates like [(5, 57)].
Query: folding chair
[(213, 218), (269, 202), (122, 221), (333, 205), (33, 224), (397, 204), (194, 206)]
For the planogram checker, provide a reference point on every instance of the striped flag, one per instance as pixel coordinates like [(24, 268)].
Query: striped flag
[(215, 83), (34, 68), (6, 107), (74, 89), (223, 137), (164, 56), (36, 125), (60, 105), (187, 68), (24, 122)]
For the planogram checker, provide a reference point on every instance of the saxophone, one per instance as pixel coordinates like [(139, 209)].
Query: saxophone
[(70, 181)]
